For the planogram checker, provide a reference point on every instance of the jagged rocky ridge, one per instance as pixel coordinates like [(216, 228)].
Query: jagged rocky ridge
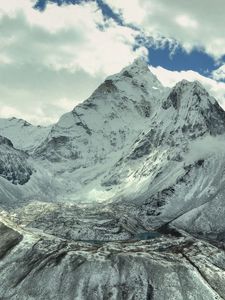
[(13, 163), (127, 197)]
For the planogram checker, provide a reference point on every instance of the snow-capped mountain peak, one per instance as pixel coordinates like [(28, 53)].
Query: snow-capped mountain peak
[(23, 135), (192, 93), (104, 123), (138, 67), (134, 162), (131, 130), (137, 74), (190, 106)]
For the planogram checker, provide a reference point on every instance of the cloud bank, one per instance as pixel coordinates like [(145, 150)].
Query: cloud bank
[(192, 23), (52, 60)]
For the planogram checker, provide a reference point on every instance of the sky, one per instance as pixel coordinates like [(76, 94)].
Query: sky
[(54, 53)]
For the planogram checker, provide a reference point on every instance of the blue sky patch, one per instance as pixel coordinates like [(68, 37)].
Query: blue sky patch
[(197, 60), (42, 4), (106, 9)]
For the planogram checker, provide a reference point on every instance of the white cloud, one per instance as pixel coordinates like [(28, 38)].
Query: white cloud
[(131, 10), (75, 38), (4, 59), (219, 74), (11, 7), (105, 51), (63, 53), (8, 111), (64, 103), (186, 21), (192, 23), (170, 78)]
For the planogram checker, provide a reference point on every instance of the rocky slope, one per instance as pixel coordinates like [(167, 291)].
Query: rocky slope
[(125, 199), (21, 178), (163, 268), (13, 163)]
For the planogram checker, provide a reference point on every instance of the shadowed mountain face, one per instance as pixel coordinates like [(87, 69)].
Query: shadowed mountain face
[(13, 163), (122, 198)]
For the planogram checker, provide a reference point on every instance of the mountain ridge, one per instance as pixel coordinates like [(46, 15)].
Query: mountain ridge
[(128, 188)]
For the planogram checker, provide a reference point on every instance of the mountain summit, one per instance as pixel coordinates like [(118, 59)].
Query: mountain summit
[(104, 123)]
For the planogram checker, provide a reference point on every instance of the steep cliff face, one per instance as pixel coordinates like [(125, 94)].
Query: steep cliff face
[(13, 163)]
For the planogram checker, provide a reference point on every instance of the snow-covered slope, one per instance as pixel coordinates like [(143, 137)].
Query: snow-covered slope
[(21, 179), (187, 115), (24, 135), (129, 172), (88, 141), (108, 121), (135, 142), (175, 172)]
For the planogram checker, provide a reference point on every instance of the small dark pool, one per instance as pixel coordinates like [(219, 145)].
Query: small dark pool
[(148, 235), (142, 236)]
